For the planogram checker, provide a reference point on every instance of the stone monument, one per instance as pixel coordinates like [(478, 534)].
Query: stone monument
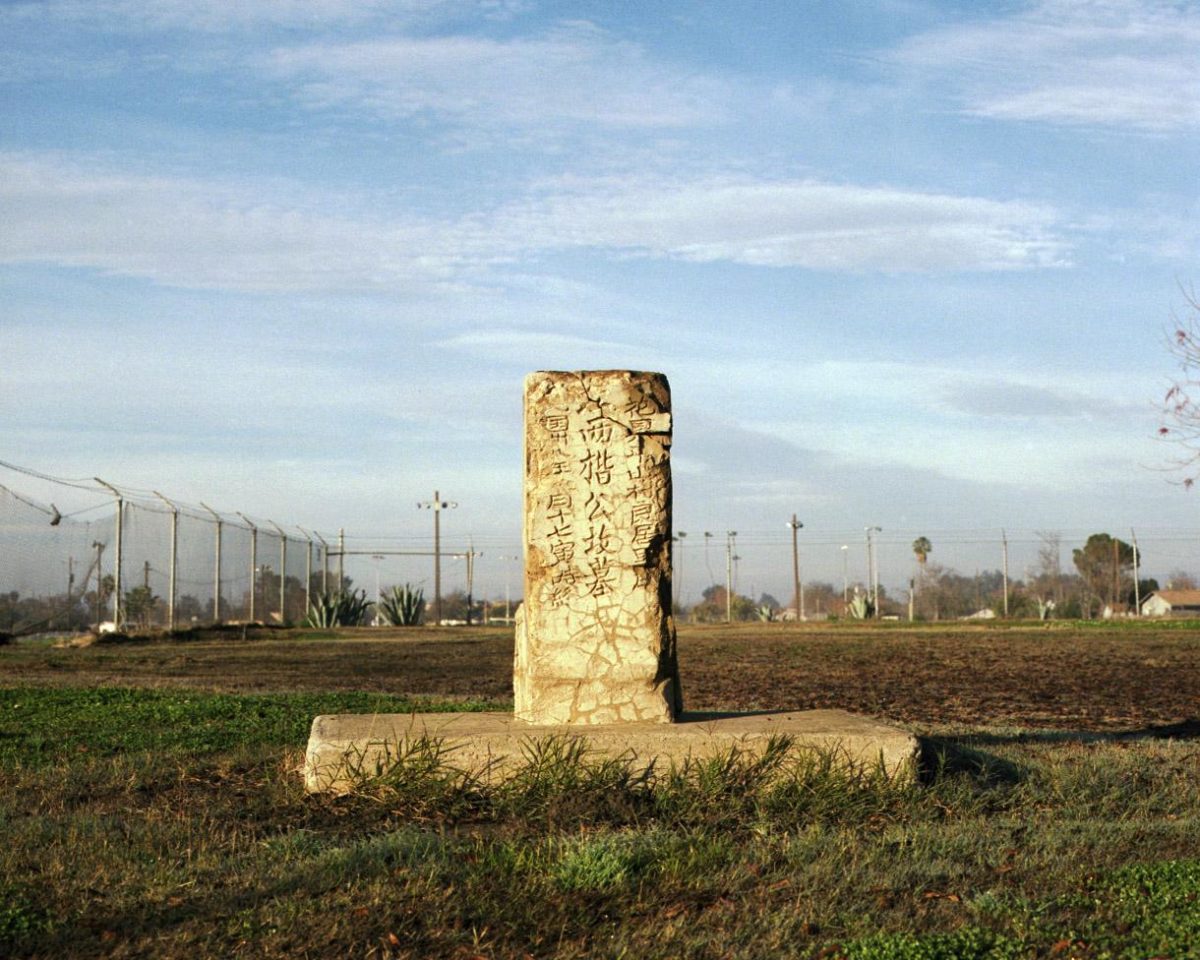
[(594, 652), (595, 639)]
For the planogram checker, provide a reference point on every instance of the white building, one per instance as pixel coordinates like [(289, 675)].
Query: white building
[(1172, 603)]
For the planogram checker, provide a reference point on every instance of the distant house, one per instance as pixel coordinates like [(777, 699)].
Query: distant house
[(1172, 603)]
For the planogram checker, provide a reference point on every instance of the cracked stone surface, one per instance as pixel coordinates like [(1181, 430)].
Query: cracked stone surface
[(595, 637)]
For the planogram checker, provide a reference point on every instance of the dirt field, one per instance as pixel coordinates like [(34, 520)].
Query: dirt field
[(1062, 676)]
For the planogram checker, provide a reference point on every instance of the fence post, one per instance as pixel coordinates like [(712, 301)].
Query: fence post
[(253, 564), (217, 571), (324, 563), (341, 559), (282, 573), (117, 559), (307, 570), (174, 560)]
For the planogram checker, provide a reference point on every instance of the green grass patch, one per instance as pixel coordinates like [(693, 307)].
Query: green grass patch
[(38, 725)]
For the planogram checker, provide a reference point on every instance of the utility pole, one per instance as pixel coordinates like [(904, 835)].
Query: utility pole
[(845, 577), (1004, 539), (730, 536), (798, 596), (1137, 589), (437, 505), (1116, 594), (253, 564), (217, 564), (117, 557), (470, 577), (173, 576)]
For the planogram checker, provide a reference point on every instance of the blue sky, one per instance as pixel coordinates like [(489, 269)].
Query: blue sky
[(905, 263)]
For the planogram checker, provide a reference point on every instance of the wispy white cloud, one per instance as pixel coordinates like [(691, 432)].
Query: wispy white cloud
[(820, 226), (576, 73), (222, 15), (204, 234), (1107, 63), (211, 235)]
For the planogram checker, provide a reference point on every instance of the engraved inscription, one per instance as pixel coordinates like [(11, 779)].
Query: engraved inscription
[(596, 641)]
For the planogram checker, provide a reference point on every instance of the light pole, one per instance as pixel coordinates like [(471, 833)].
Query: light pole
[(507, 585), (253, 564), (730, 536), (378, 558), (798, 596), (677, 565), (872, 570), (437, 505), (469, 557)]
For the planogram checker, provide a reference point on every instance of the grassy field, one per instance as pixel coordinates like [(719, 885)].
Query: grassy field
[(150, 804)]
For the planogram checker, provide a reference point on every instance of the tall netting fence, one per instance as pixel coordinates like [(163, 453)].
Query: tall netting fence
[(79, 554), (56, 572)]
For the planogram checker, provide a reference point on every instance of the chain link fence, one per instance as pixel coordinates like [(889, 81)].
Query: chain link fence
[(132, 559), (187, 564)]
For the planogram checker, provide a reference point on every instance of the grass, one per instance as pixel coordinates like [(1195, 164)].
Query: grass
[(170, 821), (38, 725)]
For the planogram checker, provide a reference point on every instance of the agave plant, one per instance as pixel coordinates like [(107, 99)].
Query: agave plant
[(337, 608), (766, 613), (860, 607), (403, 606)]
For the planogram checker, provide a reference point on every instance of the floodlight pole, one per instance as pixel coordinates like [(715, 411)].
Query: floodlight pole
[(308, 538), (173, 577), (873, 570), (437, 505), (117, 557), (324, 562), (217, 565), (677, 566), (282, 573), (253, 563)]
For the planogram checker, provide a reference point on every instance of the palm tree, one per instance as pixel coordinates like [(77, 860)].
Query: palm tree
[(922, 548)]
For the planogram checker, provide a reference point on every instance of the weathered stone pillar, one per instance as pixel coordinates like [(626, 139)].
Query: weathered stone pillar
[(595, 636)]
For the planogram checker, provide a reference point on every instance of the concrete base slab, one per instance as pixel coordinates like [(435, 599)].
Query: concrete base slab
[(343, 748)]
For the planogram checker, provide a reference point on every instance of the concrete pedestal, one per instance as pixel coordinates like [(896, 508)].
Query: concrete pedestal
[(343, 747)]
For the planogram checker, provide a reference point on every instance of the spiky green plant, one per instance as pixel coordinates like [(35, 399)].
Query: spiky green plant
[(860, 607), (338, 608), (766, 613), (403, 606)]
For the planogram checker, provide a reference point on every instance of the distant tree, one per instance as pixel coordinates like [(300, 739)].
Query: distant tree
[(822, 598), (921, 549), (140, 603), (1105, 565), (712, 608), (1180, 422), (188, 609), (1181, 580)]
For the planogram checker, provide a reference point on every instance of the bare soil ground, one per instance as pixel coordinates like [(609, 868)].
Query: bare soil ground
[(1085, 677)]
